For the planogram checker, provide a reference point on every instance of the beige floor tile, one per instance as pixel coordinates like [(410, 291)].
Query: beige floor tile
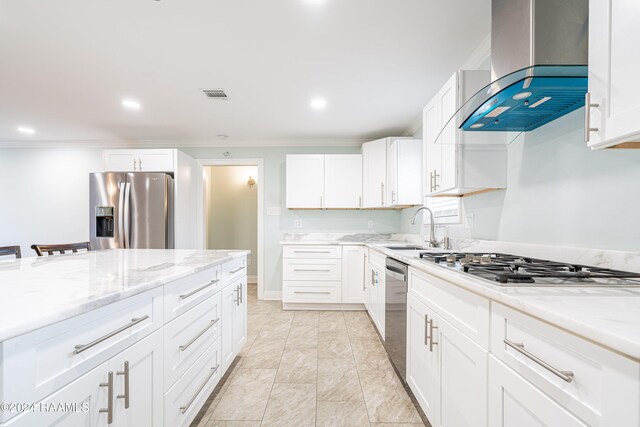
[(233, 423), (397, 424), (291, 405), (341, 414), (247, 396), (362, 330), (386, 398), (369, 353), (338, 380), (264, 354), (305, 318), (298, 365), (302, 338), (333, 345)]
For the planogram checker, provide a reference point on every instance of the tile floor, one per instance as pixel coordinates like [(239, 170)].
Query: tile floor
[(309, 368)]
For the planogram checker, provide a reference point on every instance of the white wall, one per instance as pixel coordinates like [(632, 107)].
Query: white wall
[(44, 195), (232, 221)]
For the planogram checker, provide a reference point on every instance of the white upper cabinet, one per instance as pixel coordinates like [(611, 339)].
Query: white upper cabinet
[(343, 181), (305, 181), (161, 160), (318, 181), (613, 62), (456, 165), (404, 172), (374, 173)]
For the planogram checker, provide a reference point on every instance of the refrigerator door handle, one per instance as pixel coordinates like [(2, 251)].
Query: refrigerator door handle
[(121, 215), (127, 215)]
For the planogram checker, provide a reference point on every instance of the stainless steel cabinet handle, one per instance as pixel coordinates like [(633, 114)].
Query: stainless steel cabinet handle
[(360, 202), (109, 408), (431, 328), (134, 164), (382, 194), (186, 407), (201, 288), (519, 347), (238, 290), (304, 269), (311, 292), (436, 175), (121, 214), (201, 333), (587, 117), (82, 347), (236, 270), (426, 330), (393, 197), (127, 215), (241, 292), (312, 252), (140, 164), (321, 202), (125, 395)]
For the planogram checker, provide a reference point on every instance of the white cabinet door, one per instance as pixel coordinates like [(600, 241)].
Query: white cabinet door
[(373, 295), (120, 160), (229, 303), (432, 152), (368, 280), (353, 274), (374, 177), (305, 181), (423, 363), (240, 316), (514, 402), (404, 174), (392, 172), (86, 393), (463, 377), (138, 383), (156, 160), (613, 62), (343, 181), (446, 174)]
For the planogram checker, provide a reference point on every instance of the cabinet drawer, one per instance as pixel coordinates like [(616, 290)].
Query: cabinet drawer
[(377, 260), (312, 269), (183, 401), (582, 377), (41, 362), (305, 251), (182, 295), (233, 270), (186, 337), (465, 310), (320, 292)]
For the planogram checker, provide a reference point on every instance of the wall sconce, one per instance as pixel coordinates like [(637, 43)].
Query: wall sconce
[(251, 181)]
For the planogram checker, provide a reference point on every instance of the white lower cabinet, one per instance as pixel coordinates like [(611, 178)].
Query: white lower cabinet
[(446, 370), (514, 402), (377, 290), (123, 365), (353, 274), (234, 322)]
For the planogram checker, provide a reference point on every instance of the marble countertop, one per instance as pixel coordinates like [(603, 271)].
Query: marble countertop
[(39, 291), (607, 316)]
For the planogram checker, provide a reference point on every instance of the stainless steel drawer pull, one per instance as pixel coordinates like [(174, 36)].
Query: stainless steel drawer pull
[(587, 117), (309, 269), (201, 333), (311, 292), (201, 288), (312, 252), (519, 347), (82, 347), (185, 408), (109, 409), (431, 328), (125, 395), (426, 330), (236, 270)]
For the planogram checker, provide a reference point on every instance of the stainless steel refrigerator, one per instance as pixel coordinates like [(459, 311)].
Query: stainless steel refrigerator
[(131, 210)]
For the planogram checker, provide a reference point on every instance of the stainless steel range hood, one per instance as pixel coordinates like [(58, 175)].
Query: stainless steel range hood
[(539, 55)]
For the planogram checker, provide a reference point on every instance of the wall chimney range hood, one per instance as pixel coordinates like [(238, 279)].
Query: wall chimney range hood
[(539, 56)]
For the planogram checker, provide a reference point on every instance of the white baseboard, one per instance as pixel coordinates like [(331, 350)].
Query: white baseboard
[(252, 279), (272, 295)]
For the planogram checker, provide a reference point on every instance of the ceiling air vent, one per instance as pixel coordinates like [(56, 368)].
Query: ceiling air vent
[(215, 94)]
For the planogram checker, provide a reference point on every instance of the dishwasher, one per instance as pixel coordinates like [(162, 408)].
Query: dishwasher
[(395, 310)]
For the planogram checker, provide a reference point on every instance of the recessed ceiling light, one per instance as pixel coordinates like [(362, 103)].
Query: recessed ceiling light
[(318, 103), (222, 136), (521, 95), (27, 130), (315, 2), (131, 104)]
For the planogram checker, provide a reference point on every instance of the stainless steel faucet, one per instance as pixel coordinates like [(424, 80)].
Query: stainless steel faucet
[(432, 231)]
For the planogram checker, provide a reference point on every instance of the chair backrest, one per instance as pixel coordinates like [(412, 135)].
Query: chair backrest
[(10, 250), (62, 248)]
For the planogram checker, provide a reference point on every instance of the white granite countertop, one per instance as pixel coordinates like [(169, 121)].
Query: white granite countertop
[(607, 316), (36, 292)]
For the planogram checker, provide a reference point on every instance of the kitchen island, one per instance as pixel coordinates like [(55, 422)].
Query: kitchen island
[(120, 337)]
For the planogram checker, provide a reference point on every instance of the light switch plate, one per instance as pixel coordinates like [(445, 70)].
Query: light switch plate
[(274, 211), (468, 220), (297, 223)]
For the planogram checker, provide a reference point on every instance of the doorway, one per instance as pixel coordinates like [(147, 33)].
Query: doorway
[(233, 211)]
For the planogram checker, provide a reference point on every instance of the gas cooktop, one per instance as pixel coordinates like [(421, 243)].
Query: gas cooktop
[(514, 270)]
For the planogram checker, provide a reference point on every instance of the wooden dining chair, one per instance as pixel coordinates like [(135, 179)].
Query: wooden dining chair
[(10, 250), (62, 248)]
